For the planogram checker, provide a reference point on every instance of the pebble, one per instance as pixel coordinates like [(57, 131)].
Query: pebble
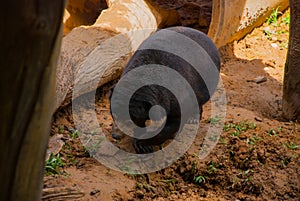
[(140, 194), (260, 79), (94, 192), (274, 45), (258, 119), (116, 136), (242, 136)]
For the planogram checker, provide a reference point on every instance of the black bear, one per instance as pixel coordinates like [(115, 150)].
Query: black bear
[(190, 53)]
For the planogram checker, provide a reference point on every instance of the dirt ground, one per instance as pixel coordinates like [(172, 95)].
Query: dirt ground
[(256, 158)]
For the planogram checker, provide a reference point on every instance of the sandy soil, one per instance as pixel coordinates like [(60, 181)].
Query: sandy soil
[(257, 156)]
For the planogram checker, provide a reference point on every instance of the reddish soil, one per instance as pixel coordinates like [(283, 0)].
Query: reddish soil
[(257, 156)]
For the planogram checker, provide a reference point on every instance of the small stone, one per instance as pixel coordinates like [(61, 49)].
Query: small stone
[(94, 192), (140, 194), (242, 136), (274, 45), (260, 79), (116, 136), (258, 119)]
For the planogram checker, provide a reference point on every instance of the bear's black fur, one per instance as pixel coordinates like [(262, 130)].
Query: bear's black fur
[(150, 95)]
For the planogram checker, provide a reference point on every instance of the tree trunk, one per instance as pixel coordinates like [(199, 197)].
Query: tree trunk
[(291, 88), (30, 41)]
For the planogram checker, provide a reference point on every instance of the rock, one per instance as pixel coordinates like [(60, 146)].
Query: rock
[(258, 119), (55, 145), (140, 194), (274, 45), (94, 192), (260, 79), (116, 136), (242, 136)]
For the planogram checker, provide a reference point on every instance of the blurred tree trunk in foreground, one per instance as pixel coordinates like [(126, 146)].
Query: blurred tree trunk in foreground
[(291, 88), (30, 39)]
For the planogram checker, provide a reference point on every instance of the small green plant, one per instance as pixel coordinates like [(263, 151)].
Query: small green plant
[(67, 146), (282, 31), (127, 166), (143, 185), (291, 146), (139, 185), (213, 137), (286, 20), (214, 120), (246, 172), (74, 134), (273, 18), (212, 168), (284, 163), (200, 179), (222, 140), (246, 176), (284, 45), (272, 132), (253, 140), (172, 180), (235, 182), (72, 159), (94, 147), (237, 129), (245, 160), (61, 129), (194, 167), (53, 164), (195, 155)]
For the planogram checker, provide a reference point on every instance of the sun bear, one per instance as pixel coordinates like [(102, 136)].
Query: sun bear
[(167, 47)]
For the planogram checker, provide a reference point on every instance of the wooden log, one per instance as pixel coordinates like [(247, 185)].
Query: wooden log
[(89, 51), (61, 193), (30, 42), (232, 20), (82, 12), (291, 87)]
